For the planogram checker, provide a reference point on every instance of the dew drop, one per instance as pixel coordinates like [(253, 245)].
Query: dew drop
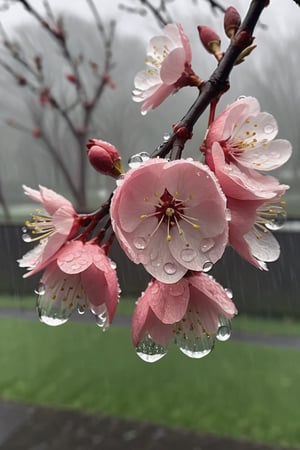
[(40, 289), (113, 264), (228, 215), (81, 309), (26, 237), (68, 257), (188, 254), (207, 266), (24, 229), (143, 113), (144, 155), (170, 268), (228, 292), (241, 97), (52, 321), (206, 244), (120, 179), (149, 351), (224, 330), (102, 320), (139, 243), (166, 136), (268, 128), (195, 346), (135, 161), (75, 266), (277, 222)]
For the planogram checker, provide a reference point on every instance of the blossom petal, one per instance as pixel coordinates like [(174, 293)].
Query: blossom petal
[(170, 303)]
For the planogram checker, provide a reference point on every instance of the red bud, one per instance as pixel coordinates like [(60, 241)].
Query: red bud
[(210, 39), (104, 157), (232, 21)]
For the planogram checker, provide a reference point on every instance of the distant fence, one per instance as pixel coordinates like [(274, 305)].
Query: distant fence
[(273, 293)]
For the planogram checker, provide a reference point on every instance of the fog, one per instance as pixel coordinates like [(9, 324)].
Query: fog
[(270, 74)]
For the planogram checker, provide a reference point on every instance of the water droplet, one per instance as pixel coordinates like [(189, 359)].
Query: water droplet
[(228, 215), (241, 97), (120, 180), (149, 351), (26, 237), (188, 254), (135, 161), (207, 266), (278, 221), (140, 243), (24, 229), (75, 266), (166, 136), (40, 289), (206, 244), (143, 113), (81, 309), (113, 264), (170, 268), (224, 330), (52, 321), (102, 320), (195, 346), (144, 155), (268, 128), (53, 312), (68, 257), (228, 292)]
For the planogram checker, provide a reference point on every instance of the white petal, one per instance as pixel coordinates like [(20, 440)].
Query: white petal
[(265, 248)]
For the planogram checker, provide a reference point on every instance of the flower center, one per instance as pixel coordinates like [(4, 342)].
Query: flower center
[(170, 210), (39, 228)]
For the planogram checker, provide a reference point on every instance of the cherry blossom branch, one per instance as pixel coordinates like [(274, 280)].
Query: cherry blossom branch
[(218, 83)]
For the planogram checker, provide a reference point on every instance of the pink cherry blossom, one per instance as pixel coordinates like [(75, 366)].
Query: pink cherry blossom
[(191, 312), (240, 182), (168, 68), (81, 277), (246, 136), (250, 229), (171, 217), (52, 227)]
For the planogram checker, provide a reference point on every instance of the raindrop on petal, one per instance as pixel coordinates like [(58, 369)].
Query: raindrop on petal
[(228, 215), (149, 351), (268, 128), (144, 155), (207, 266), (277, 222), (139, 243), (241, 97), (224, 330), (195, 346), (135, 161), (170, 268), (40, 289), (166, 136), (26, 237), (81, 309), (120, 179), (52, 312), (206, 244), (24, 229), (113, 264), (228, 292), (188, 254)]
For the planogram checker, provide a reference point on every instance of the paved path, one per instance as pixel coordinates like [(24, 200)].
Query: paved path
[(240, 336), (26, 427)]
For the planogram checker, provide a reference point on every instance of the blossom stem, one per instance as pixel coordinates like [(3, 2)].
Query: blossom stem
[(218, 82)]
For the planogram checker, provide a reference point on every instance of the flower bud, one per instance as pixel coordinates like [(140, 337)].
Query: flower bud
[(232, 21), (105, 158), (210, 40), (72, 78)]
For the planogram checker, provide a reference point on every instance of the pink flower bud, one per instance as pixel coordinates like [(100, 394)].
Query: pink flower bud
[(104, 157), (232, 21), (210, 39)]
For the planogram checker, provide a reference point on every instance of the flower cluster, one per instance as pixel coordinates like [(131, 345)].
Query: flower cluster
[(174, 216)]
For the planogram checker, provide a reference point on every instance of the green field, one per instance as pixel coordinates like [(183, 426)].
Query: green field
[(240, 390)]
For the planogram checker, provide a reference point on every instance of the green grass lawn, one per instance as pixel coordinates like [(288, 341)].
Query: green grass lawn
[(241, 390)]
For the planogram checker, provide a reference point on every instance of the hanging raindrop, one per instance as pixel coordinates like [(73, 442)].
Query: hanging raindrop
[(224, 330), (81, 309), (228, 292), (195, 346), (166, 136), (145, 156), (207, 266), (149, 351), (53, 312), (279, 219), (40, 289), (26, 237)]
